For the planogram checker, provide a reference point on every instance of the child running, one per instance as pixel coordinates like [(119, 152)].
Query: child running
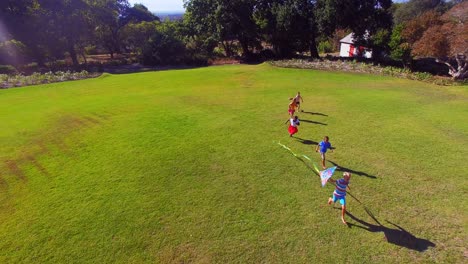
[(292, 108), (324, 146), (298, 99), (293, 123), (340, 193)]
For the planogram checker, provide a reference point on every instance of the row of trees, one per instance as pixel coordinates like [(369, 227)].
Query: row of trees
[(402, 31), (430, 28), (47, 29), (289, 26)]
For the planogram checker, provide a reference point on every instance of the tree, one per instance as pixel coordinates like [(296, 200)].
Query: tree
[(23, 21), (405, 12), (112, 16), (135, 35), (363, 17), (71, 21), (225, 20), (164, 46), (399, 48), (442, 37), (137, 13), (289, 25), (201, 29)]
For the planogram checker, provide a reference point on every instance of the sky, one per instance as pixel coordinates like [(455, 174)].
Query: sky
[(175, 5), (161, 5)]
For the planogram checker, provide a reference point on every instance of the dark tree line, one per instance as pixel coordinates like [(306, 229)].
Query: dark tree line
[(49, 30), (289, 26)]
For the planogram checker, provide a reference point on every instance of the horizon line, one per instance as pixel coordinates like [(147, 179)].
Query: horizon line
[(168, 11)]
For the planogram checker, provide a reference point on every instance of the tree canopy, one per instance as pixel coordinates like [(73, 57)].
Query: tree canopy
[(48, 30)]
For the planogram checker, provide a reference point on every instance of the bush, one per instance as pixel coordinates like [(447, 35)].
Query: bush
[(38, 78), (7, 69), (267, 54), (325, 47), (354, 66), (422, 76), (29, 68), (163, 49)]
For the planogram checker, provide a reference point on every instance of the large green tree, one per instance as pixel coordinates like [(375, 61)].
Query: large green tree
[(111, 16), (49, 28), (365, 18), (288, 25), (71, 22), (225, 20), (23, 20)]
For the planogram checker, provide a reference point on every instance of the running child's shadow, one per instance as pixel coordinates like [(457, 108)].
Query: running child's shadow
[(312, 113), (313, 122), (398, 236), (360, 173), (306, 141)]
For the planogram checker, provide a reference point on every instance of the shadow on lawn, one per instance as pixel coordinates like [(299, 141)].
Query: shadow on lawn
[(312, 113), (313, 122), (343, 169), (306, 141), (398, 236)]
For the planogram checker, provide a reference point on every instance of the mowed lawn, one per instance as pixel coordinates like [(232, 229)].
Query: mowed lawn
[(184, 166)]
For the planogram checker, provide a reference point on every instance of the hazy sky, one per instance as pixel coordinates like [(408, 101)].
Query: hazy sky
[(175, 5), (161, 5)]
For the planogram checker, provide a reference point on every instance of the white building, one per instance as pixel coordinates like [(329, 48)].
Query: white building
[(348, 49)]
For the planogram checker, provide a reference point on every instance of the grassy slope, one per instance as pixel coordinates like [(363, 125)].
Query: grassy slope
[(181, 166)]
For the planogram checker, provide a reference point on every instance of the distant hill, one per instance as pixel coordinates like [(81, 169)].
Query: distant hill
[(170, 15)]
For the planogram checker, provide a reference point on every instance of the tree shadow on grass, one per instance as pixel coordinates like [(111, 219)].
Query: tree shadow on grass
[(313, 122), (398, 236), (305, 141), (313, 113), (343, 169)]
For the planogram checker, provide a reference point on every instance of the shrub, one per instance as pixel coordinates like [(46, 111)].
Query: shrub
[(163, 49), (7, 69), (325, 47), (38, 78), (267, 54), (354, 66), (29, 68)]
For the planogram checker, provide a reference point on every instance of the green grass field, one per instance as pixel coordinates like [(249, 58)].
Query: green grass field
[(182, 166)]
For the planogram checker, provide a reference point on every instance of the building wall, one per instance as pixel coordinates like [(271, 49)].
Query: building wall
[(344, 49), (348, 50)]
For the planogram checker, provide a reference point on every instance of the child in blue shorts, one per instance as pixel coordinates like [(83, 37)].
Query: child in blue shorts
[(323, 146), (340, 193)]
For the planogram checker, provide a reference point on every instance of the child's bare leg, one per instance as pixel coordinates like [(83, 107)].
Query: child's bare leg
[(323, 160), (330, 200), (343, 211)]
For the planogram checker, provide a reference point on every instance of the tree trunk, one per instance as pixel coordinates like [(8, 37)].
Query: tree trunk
[(461, 71), (73, 55), (313, 49), (245, 48), (38, 55), (227, 48)]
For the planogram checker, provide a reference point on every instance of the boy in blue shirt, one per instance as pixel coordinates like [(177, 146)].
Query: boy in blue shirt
[(340, 193), (324, 146)]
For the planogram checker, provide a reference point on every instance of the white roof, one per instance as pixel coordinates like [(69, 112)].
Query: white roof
[(350, 39)]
